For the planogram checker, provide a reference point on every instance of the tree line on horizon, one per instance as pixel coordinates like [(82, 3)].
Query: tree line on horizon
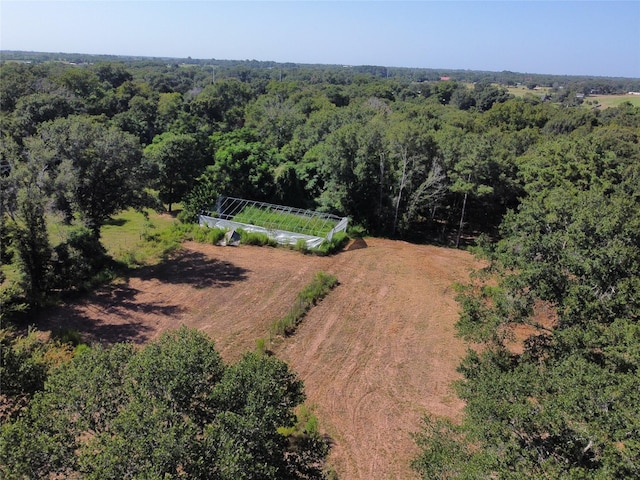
[(338, 73), (547, 188)]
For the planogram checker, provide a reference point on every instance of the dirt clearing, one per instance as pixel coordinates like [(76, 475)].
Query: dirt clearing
[(375, 355)]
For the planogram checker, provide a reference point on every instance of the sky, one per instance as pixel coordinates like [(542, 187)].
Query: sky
[(600, 38)]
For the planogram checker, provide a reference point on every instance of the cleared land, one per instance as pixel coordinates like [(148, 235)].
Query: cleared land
[(607, 101), (375, 355)]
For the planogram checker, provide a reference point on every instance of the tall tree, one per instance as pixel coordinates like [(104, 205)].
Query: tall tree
[(419, 180), (100, 170), (243, 166), (28, 229), (470, 177), (562, 403), (177, 161)]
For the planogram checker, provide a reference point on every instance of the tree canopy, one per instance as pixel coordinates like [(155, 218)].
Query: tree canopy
[(170, 409), (562, 401)]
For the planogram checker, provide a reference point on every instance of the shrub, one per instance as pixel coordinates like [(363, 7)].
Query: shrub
[(78, 261), (336, 244), (357, 231), (301, 245), (67, 335), (215, 235), (255, 238), (319, 288)]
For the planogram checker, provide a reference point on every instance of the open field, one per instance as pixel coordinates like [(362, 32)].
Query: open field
[(523, 90), (375, 355), (606, 101)]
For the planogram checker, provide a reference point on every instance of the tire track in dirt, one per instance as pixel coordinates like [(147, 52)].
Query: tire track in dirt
[(389, 351), (375, 355)]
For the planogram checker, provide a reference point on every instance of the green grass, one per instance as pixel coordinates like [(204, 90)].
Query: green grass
[(319, 288), (523, 91), (256, 238), (125, 230), (337, 243), (276, 220), (135, 238), (608, 101)]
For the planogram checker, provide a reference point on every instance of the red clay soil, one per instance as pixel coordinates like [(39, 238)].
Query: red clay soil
[(375, 355)]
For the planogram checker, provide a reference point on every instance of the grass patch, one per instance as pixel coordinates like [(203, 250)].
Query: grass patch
[(134, 238), (200, 234), (523, 91), (319, 288), (255, 238), (130, 229), (291, 222), (67, 335), (610, 101)]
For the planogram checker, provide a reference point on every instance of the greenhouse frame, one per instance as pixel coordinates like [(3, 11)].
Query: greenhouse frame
[(286, 225)]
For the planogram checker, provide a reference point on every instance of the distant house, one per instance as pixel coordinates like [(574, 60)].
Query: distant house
[(445, 79)]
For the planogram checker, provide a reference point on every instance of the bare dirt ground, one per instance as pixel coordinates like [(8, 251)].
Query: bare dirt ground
[(375, 355)]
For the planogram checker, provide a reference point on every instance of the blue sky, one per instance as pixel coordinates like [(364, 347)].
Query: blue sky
[(555, 37)]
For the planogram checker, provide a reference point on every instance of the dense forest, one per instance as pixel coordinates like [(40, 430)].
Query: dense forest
[(544, 186)]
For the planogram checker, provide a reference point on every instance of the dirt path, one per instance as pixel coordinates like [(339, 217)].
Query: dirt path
[(375, 355)]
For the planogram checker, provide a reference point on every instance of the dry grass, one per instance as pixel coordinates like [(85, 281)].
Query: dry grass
[(375, 355)]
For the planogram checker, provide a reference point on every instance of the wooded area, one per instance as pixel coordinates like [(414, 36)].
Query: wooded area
[(546, 186)]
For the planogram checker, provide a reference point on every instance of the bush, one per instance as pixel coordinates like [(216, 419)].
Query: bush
[(301, 245), (336, 244), (255, 238), (319, 288), (78, 260), (356, 231)]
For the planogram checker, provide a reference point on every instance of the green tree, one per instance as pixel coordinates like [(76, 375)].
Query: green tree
[(221, 105), (486, 95), (32, 110), (30, 238), (419, 179), (275, 117), (170, 409), (169, 111), (99, 170), (139, 117), (25, 361), (114, 74), (563, 402), (470, 175), (17, 81), (177, 161), (348, 162), (243, 166)]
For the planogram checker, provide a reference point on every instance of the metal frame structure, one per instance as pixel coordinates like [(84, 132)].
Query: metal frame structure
[(286, 225)]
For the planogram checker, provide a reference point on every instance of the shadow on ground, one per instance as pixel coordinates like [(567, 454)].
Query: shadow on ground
[(129, 318), (195, 269)]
